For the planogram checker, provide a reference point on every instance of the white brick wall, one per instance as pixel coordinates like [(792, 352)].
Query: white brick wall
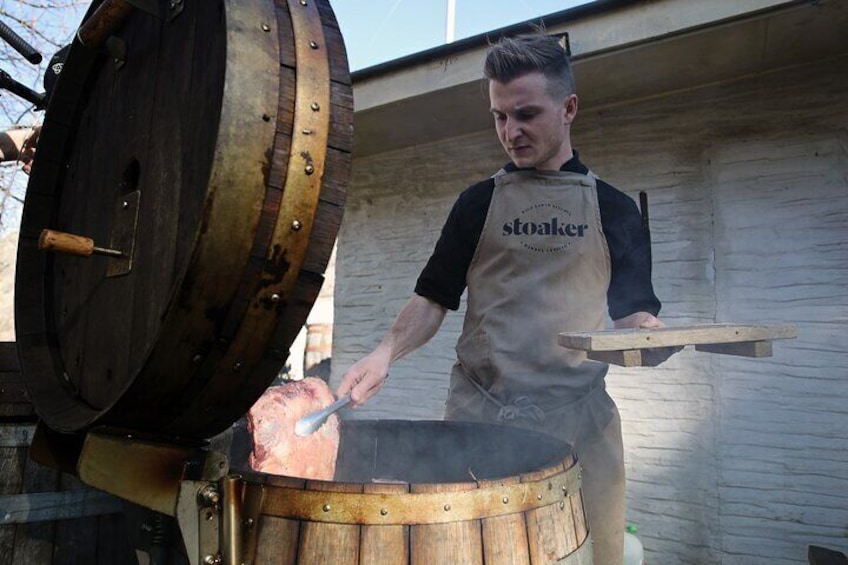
[(730, 460)]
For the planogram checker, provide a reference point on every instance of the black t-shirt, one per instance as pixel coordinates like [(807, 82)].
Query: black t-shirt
[(443, 279)]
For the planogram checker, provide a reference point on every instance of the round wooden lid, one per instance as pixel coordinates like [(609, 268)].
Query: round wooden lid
[(210, 146)]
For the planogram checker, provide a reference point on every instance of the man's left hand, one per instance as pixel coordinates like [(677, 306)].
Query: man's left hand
[(645, 320)]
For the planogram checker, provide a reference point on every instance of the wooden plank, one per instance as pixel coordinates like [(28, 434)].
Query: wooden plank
[(277, 538), (613, 340), (123, 134), (578, 512), (14, 398), (161, 144), (12, 461), (16, 435), (329, 543), (76, 540), (9, 357), (277, 541), (34, 541), (743, 349), (504, 537), (551, 534), (32, 507), (389, 544), (626, 358), (452, 542)]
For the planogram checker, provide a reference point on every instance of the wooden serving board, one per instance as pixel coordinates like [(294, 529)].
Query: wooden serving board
[(625, 347)]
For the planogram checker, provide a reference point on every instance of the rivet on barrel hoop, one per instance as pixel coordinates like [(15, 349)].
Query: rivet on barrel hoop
[(303, 2), (275, 297), (237, 367), (315, 106), (561, 505), (313, 44), (310, 168), (447, 507), (383, 511), (296, 225), (266, 27), (506, 500), (326, 508)]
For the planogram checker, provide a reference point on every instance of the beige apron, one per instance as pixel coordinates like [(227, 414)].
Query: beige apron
[(541, 267)]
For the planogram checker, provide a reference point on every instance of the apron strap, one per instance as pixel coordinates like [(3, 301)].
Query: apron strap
[(520, 407)]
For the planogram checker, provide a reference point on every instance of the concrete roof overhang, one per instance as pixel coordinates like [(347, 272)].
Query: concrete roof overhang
[(622, 51)]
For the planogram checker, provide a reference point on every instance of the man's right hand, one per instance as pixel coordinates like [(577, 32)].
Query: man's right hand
[(415, 325), (366, 377)]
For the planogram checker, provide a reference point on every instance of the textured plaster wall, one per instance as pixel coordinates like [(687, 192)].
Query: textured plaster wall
[(730, 460)]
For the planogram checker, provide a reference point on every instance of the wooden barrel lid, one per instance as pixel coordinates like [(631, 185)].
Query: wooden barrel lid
[(211, 146)]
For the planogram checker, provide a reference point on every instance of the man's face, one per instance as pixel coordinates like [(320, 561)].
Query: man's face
[(534, 129)]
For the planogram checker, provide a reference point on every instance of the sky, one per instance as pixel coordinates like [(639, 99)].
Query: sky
[(381, 30)]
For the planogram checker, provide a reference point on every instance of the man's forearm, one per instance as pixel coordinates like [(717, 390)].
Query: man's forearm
[(418, 321), (12, 141)]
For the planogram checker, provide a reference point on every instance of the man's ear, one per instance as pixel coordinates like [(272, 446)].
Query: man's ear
[(570, 108)]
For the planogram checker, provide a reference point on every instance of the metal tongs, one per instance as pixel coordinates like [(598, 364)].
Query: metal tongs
[(311, 422)]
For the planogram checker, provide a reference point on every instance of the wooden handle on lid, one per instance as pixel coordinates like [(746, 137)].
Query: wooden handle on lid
[(61, 242)]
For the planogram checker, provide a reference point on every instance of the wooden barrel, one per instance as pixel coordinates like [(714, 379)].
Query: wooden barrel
[(430, 493), (210, 146), (47, 516)]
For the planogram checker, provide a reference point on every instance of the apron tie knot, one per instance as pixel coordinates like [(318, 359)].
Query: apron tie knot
[(521, 407)]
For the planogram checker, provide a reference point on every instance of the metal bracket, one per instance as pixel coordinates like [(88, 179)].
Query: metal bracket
[(145, 472), (124, 227), (199, 518), (219, 522)]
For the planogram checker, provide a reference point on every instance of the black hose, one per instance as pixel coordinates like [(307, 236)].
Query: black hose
[(13, 86), (18, 43)]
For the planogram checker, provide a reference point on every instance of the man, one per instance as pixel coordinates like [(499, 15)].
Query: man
[(543, 247), (17, 143)]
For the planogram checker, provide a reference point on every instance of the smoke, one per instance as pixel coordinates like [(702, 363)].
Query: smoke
[(421, 451)]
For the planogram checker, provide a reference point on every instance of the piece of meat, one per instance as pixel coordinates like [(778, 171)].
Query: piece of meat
[(276, 448)]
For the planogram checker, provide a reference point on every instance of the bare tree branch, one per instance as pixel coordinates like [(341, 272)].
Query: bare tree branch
[(47, 25)]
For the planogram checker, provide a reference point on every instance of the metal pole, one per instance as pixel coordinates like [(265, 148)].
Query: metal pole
[(450, 29)]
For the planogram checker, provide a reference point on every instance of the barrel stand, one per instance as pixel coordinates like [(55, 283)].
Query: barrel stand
[(214, 510)]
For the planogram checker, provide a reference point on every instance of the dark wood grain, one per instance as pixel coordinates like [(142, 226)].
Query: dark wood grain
[(147, 350)]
